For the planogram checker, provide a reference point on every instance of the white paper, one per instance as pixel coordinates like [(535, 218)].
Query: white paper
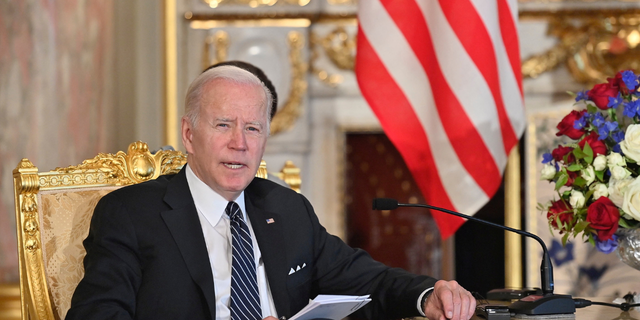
[(333, 307)]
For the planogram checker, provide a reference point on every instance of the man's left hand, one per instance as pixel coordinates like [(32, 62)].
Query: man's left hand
[(449, 301)]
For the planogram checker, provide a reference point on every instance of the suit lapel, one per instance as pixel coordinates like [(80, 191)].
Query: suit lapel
[(271, 242), (184, 225)]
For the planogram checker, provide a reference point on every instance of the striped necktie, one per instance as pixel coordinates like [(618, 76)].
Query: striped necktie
[(245, 299)]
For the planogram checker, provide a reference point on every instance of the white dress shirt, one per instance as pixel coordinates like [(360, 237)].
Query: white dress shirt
[(217, 234)]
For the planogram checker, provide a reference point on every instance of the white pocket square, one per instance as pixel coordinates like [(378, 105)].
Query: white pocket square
[(298, 267)]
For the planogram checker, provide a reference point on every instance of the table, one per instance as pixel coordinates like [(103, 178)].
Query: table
[(593, 312)]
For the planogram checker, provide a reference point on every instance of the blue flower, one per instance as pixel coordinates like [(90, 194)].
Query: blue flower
[(608, 126), (607, 246), (617, 148), (546, 157), (559, 254), (580, 123), (631, 109), (618, 136), (614, 102), (603, 133), (582, 95), (629, 79), (598, 120)]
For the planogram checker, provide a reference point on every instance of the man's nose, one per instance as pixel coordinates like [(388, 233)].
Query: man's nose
[(238, 139)]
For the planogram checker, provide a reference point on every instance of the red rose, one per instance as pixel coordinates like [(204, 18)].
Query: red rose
[(601, 92), (560, 210), (603, 216), (559, 153), (618, 83), (566, 125), (596, 145)]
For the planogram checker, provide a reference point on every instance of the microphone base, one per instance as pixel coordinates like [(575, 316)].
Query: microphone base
[(544, 304)]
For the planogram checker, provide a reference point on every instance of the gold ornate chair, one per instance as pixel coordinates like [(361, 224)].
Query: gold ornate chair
[(54, 209)]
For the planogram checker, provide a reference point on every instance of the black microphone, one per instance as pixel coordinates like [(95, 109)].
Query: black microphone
[(547, 303)]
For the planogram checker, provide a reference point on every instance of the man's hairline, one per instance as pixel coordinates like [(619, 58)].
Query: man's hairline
[(194, 121)]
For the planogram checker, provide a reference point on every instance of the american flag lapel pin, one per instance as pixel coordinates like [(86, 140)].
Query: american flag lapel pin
[(270, 221)]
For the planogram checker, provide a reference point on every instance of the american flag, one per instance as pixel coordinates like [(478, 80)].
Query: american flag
[(443, 77)]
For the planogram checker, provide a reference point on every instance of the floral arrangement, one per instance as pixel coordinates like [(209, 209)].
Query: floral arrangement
[(596, 175)]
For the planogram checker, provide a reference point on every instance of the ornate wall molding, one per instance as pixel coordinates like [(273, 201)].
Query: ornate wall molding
[(292, 108), (592, 45), (339, 46)]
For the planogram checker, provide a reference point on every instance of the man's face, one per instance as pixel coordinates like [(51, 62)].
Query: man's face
[(227, 144)]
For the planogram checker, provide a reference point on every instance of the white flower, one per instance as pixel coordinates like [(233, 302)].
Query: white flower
[(615, 159), (619, 173), (631, 144), (588, 174), (548, 172), (631, 202), (616, 190), (600, 162), (577, 199), (599, 190)]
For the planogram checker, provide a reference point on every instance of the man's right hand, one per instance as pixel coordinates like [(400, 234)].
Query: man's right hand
[(449, 301)]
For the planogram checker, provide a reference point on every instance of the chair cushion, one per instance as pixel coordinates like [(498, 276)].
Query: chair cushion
[(65, 217)]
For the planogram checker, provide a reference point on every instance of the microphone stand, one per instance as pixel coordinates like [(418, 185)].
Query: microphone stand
[(547, 303)]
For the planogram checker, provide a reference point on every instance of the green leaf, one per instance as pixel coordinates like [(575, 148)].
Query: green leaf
[(565, 238), (562, 180), (600, 175), (579, 182), (589, 153), (578, 153), (591, 108), (591, 240), (574, 167), (580, 226), (588, 195), (623, 223)]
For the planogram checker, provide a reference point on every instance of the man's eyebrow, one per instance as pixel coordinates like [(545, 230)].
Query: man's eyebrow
[(255, 123)]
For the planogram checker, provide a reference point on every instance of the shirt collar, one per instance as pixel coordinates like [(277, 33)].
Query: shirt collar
[(208, 202)]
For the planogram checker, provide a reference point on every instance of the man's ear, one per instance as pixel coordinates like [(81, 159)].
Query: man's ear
[(187, 134)]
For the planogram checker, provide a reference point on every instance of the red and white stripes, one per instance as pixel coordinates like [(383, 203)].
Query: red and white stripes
[(443, 77)]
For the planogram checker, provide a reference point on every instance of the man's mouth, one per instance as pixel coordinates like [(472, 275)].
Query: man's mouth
[(233, 165)]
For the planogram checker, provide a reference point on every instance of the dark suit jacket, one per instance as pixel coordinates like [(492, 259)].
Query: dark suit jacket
[(147, 258)]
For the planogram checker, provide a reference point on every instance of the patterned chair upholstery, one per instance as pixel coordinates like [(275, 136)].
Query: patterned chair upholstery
[(54, 209)]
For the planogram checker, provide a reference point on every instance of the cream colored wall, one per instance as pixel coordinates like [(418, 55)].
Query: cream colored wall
[(56, 93)]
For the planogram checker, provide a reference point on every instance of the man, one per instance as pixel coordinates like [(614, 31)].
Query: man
[(213, 242)]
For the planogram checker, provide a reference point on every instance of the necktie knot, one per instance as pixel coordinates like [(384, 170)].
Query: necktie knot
[(233, 211)]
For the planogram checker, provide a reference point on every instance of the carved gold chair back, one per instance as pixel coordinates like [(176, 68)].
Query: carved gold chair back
[(54, 209)]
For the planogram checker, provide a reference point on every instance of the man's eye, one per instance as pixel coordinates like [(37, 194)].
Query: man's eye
[(223, 125), (253, 129)]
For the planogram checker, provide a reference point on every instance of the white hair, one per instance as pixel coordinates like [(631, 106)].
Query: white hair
[(226, 72)]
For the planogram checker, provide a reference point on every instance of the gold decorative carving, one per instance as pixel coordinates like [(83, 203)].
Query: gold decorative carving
[(290, 111), (25, 177), (592, 45), (220, 44), (290, 174), (262, 170), (256, 3), (136, 166), (340, 47)]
